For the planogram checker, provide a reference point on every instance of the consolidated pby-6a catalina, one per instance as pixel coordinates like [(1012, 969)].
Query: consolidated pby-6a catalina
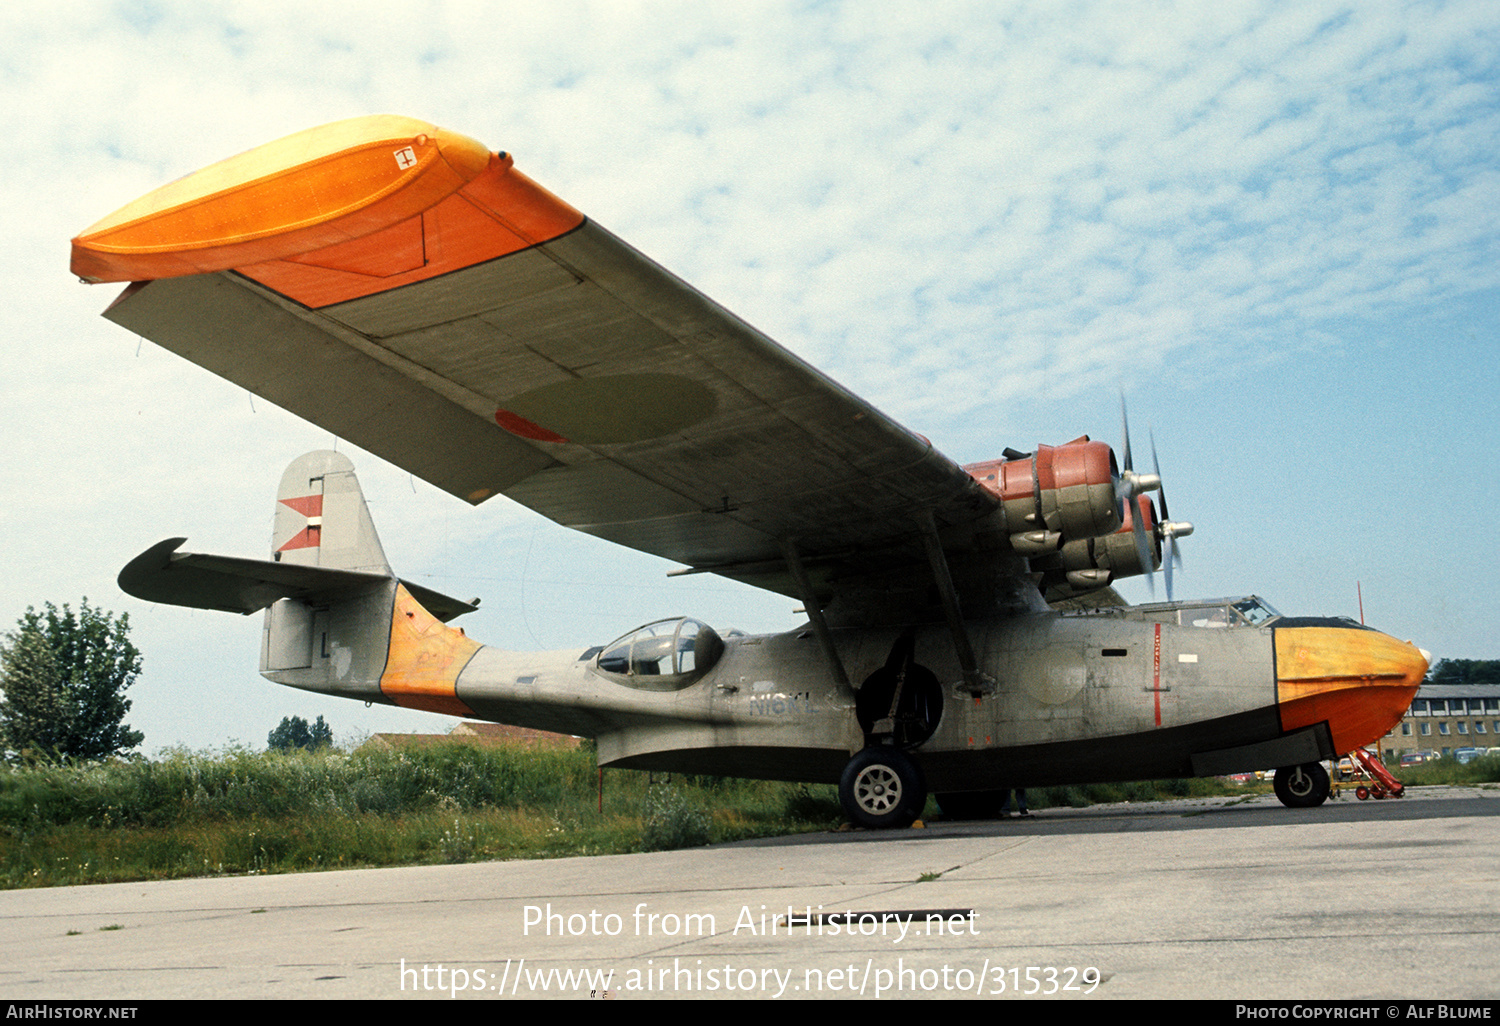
[(411, 291)]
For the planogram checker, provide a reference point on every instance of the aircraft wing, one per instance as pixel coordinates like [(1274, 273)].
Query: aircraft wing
[(412, 292)]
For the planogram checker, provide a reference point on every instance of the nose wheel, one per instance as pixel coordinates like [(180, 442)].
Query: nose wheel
[(1302, 787), (882, 788)]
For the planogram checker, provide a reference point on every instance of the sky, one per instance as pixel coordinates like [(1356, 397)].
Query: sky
[(1274, 228)]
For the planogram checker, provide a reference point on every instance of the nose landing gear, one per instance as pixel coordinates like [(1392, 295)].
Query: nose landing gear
[(1302, 787)]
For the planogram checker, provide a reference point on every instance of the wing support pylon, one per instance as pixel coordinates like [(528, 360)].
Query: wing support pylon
[(975, 682), (815, 613)]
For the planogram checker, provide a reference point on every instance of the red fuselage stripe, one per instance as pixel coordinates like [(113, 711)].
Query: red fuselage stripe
[(1156, 674)]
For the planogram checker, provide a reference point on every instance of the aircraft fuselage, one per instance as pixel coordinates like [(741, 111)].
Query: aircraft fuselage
[(1075, 697)]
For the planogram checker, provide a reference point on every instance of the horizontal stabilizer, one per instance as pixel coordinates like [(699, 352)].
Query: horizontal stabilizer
[(231, 584)]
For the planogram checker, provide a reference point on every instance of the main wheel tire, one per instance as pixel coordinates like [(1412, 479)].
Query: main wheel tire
[(1302, 787), (971, 804), (882, 788)]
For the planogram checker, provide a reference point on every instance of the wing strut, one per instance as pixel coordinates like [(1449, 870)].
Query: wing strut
[(976, 682), (815, 612)]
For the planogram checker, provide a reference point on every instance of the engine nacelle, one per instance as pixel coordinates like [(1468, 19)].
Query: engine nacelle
[(1057, 496), (1116, 553), (1072, 514)]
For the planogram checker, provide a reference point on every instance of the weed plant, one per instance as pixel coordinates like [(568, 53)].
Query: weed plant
[(669, 820)]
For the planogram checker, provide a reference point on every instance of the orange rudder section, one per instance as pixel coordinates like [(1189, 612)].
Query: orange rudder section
[(426, 657)]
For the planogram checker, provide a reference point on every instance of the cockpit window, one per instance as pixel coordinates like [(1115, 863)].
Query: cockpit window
[(664, 656), (1252, 612), (1256, 610)]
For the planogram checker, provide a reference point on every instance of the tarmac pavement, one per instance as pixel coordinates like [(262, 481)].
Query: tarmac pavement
[(1213, 898)]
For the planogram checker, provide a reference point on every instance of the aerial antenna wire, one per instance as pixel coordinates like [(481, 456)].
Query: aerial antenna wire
[(525, 571)]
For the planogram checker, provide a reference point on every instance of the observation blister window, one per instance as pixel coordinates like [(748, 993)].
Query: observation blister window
[(667, 655)]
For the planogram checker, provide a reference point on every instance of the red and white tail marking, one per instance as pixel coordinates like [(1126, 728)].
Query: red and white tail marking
[(311, 536)]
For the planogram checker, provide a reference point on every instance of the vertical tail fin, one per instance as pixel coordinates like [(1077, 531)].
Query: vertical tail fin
[(321, 518), (337, 620)]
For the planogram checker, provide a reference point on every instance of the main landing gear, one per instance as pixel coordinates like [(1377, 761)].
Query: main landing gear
[(1302, 787), (898, 707), (882, 788)]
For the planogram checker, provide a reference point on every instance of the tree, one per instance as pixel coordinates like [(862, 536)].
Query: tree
[(64, 675), (1465, 671), (293, 732)]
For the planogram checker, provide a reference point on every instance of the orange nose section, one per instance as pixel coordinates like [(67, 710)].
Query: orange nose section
[(1361, 682)]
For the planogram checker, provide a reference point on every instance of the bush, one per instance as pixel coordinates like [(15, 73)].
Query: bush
[(669, 821)]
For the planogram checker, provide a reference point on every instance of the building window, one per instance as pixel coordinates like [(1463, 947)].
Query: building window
[(1463, 727), (1479, 726), (1426, 729), (1443, 729), (1406, 730)]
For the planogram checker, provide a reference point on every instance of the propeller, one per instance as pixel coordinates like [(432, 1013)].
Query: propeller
[(1166, 530), (1129, 485)]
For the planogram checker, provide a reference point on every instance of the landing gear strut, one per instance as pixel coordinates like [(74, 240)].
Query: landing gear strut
[(882, 788), (1302, 787)]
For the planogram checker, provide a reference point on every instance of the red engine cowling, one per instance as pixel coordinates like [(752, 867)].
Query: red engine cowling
[(1057, 496)]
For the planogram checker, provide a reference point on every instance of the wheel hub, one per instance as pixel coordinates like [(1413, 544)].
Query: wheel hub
[(877, 789)]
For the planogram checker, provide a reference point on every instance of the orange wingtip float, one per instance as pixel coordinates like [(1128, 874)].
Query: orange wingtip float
[(330, 214)]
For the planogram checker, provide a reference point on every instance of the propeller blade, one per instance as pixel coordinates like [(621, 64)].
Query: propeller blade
[(1168, 557), (1143, 547), (1131, 484), (1161, 492), (1166, 530)]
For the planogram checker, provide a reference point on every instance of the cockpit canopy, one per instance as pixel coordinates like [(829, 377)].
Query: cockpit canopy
[(1250, 611), (667, 655)]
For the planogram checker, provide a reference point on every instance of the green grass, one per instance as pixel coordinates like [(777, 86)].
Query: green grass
[(1484, 770), (240, 812)]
